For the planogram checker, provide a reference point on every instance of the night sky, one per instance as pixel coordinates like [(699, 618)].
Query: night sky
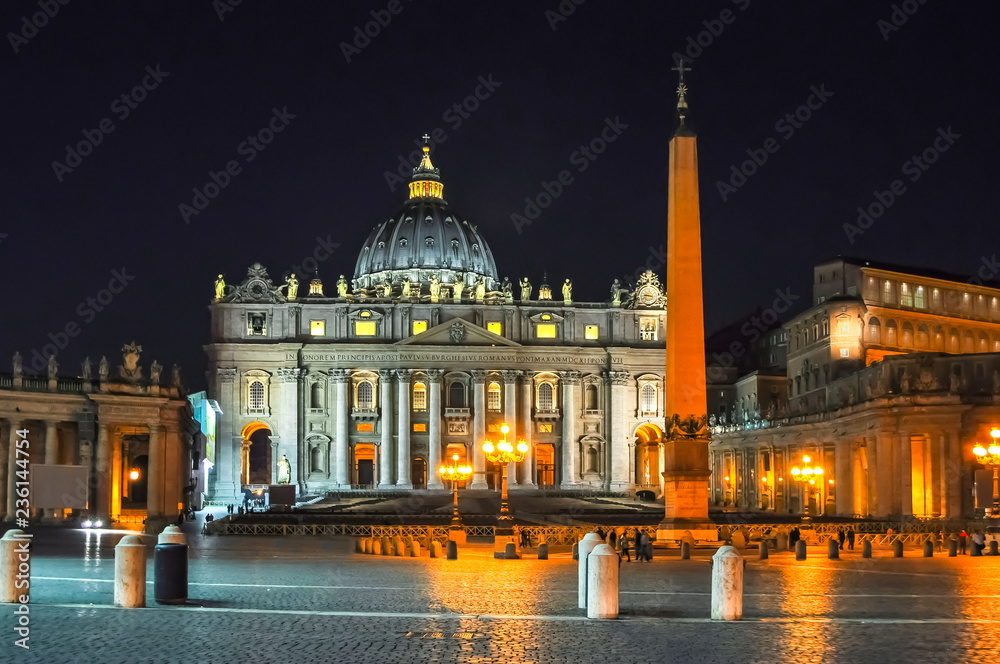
[(349, 106)]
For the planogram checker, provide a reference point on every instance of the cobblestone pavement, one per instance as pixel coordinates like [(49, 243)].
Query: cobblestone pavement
[(306, 600)]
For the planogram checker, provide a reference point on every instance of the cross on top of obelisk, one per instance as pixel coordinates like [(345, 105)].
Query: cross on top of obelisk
[(680, 69), (681, 87)]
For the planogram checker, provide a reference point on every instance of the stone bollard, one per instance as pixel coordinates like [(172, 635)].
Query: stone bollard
[(762, 550), (928, 549), (386, 547), (685, 551), (14, 560), (800, 550), (510, 551), (543, 551), (359, 545), (171, 535), (994, 548), (377, 547), (602, 583), (435, 549), (451, 550), (130, 573), (585, 546), (897, 548), (727, 584), (866, 549), (832, 549), (414, 549), (952, 548), (576, 550), (398, 546), (974, 550), (782, 539)]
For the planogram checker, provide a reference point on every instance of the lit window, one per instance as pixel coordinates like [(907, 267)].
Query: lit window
[(545, 331), (545, 396), (647, 329), (544, 428), (420, 427), (419, 326), (888, 294), (317, 328), (256, 396), (257, 324), (591, 332), (364, 328), (493, 396), (905, 296), (546, 317), (495, 326), (845, 352), (366, 426), (366, 396), (918, 298), (419, 396), (648, 397)]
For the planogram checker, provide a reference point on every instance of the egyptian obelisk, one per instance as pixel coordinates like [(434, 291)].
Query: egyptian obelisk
[(686, 473)]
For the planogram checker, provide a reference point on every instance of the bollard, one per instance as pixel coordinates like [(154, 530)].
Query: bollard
[(543, 551), (897, 548), (386, 547), (576, 550), (832, 549), (685, 551), (451, 550), (928, 549), (170, 573), (414, 549), (377, 547), (398, 546), (510, 551), (130, 573), (993, 548), (602, 583), (866, 549), (800, 550), (359, 545), (952, 548), (762, 550), (14, 560), (435, 549), (975, 550), (585, 546), (782, 540), (171, 535), (727, 584)]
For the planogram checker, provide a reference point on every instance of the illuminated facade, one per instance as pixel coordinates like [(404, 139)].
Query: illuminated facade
[(893, 376), (421, 356)]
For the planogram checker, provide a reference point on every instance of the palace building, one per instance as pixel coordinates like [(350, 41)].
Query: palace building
[(421, 356)]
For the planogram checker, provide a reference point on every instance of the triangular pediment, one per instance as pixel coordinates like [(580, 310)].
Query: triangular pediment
[(456, 332)]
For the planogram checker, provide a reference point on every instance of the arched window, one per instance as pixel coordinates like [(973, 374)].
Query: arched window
[(419, 396), (366, 396), (590, 397), (316, 395), (256, 400), (545, 397), (907, 335), (983, 345), (493, 396), (891, 337), (923, 337), (456, 395), (647, 398), (968, 343)]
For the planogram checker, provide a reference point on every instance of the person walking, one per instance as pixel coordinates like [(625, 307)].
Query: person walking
[(978, 542), (850, 538), (963, 542), (613, 539), (624, 544), (841, 537), (793, 536)]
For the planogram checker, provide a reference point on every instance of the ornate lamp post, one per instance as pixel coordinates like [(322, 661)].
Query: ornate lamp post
[(990, 457), (504, 453), (455, 474), (807, 476)]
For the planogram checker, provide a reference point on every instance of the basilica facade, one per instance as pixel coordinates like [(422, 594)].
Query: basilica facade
[(373, 383)]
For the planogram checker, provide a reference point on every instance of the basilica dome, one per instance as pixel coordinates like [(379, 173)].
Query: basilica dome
[(425, 240)]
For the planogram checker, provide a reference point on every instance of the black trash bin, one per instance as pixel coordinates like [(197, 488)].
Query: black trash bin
[(170, 573)]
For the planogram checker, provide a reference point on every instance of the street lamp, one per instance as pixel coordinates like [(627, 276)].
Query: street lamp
[(990, 457), (807, 476), (504, 453), (455, 473)]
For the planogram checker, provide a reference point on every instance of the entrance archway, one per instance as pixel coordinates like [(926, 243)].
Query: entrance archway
[(545, 467), (364, 465), (418, 473), (255, 459), (648, 440)]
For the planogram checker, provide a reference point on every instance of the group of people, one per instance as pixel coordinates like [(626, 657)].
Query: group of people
[(629, 540)]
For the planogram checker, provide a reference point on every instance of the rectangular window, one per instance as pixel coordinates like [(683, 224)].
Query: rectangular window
[(419, 326), (366, 426), (905, 296), (495, 326), (544, 428), (845, 352), (257, 324), (317, 328), (648, 328), (918, 298), (364, 328), (545, 331), (591, 332), (420, 427)]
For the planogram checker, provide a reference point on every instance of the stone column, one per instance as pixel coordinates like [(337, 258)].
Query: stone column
[(527, 474), (403, 460), (434, 430), (570, 383), (101, 503), (478, 429), (614, 417), (904, 476), (341, 418), (154, 492), (228, 446), (52, 455), (843, 485), (884, 483), (287, 416), (386, 476), (510, 419)]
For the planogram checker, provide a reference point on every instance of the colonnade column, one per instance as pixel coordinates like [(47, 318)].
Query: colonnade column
[(154, 475), (904, 476), (510, 417), (434, 430), (290, 401), (843, 486), (8, 456), (101, 504), (614, 416), (386, 475), (527, 473), (228, 450), (341, 443), (570, 382), (478, 429), (52, 454), (403, 461)]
